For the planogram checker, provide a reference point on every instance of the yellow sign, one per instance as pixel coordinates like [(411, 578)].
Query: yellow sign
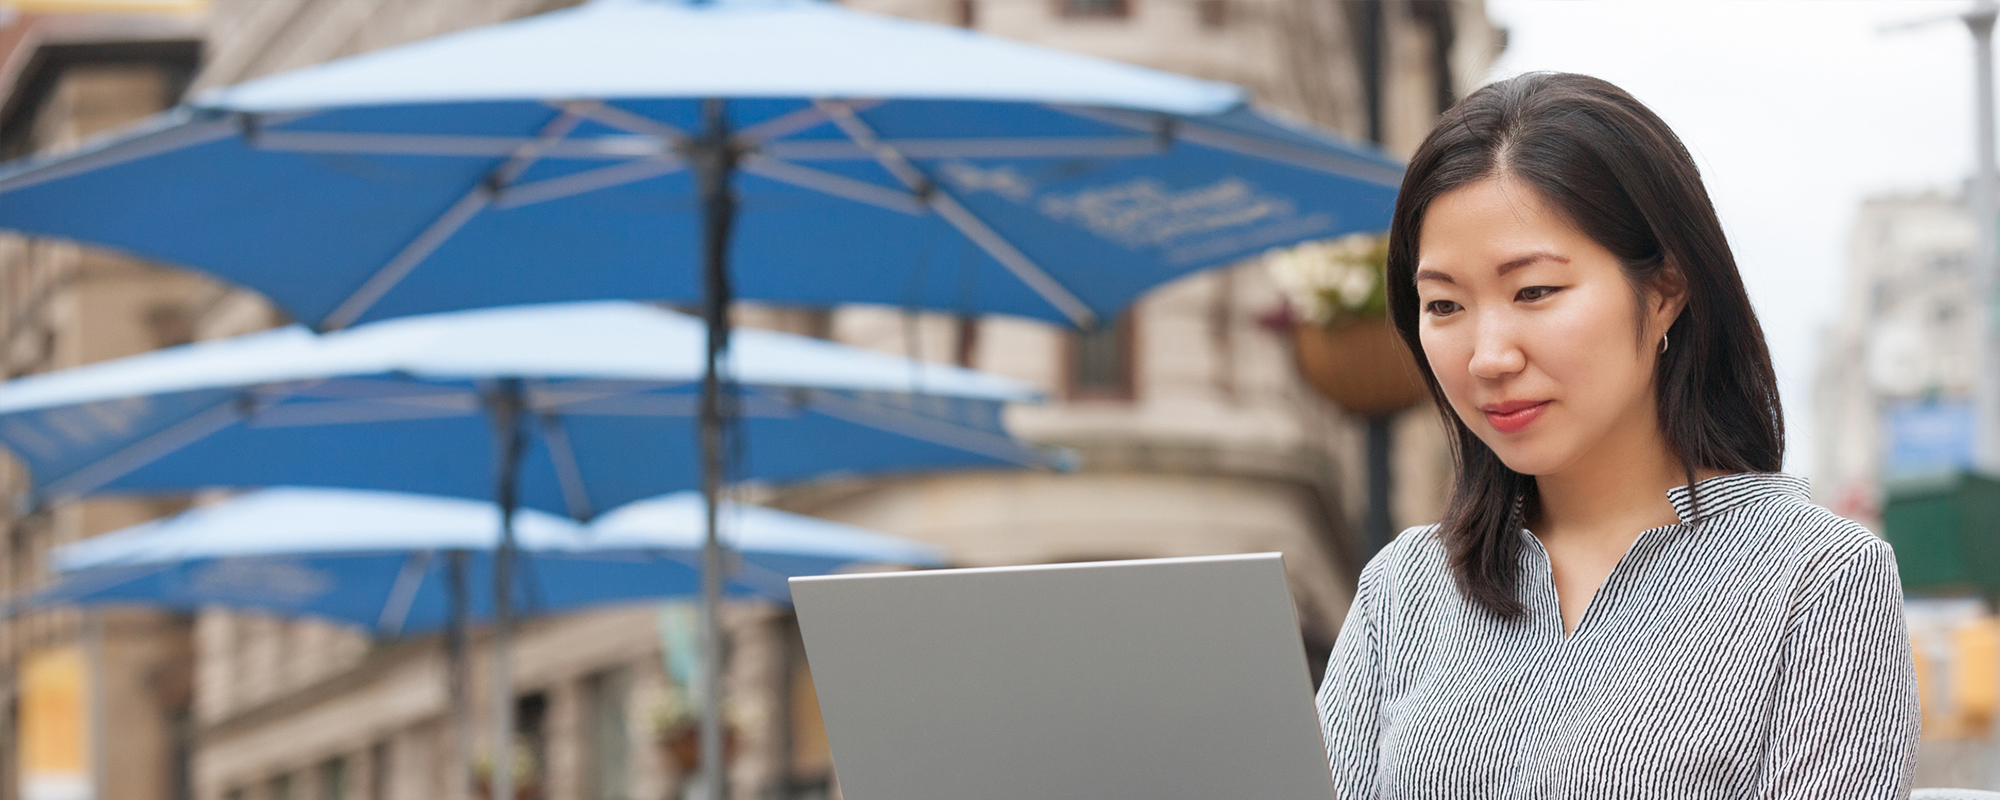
[(55, 726), (1958, 672)]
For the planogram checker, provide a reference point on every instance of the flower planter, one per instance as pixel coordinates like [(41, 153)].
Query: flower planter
[(483, 790), (1362, 366), (681, 747)]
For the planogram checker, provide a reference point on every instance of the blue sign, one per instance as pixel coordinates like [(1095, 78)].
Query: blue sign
[(1928, 436)]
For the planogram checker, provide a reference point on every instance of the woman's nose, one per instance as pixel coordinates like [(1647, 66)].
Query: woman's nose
[(1495, 355)]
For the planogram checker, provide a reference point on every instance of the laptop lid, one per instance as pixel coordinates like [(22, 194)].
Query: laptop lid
[(1166, 678)]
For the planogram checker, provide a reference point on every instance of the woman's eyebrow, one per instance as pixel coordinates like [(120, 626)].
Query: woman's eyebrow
[(1531, 258), (1503, 269)]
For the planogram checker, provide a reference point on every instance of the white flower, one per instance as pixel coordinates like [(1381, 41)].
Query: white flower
[(1354, 283), (1322, 280)]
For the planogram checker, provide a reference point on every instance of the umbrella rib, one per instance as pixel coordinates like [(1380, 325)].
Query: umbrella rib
[(668, 405), (447, 224), (1299, 157), (384, 389), (555, 398), (569, 473), (403, 593), (837, 185), (761, 579), (587, 181), (417, 144), (789, 123), (145, 451), (1193, 131), (111, 155), (918, 427), (744, 574), (626, 121), (1014, 260), (967, 223), (350, 412), (1048, 147), (78, 585), (624, 147)]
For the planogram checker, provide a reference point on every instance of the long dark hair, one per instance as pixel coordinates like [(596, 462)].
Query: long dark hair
[(1617, 172)]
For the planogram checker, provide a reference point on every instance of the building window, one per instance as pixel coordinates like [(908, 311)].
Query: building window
[(531, 713), (608, 741), (1100, 362), (333, 779), (378, 771), (1113, 9), (965, 352), (1212, 13), (173, 61), (180, 752)]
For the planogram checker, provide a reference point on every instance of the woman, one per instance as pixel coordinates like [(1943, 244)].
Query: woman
[(1624, 599)]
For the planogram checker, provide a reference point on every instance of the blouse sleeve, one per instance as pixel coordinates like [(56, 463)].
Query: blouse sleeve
[(1844, 719), (1350, 696)]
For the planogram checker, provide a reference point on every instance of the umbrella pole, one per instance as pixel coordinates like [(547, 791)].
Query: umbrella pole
[(505, 402), (458, 784), (714, 162)]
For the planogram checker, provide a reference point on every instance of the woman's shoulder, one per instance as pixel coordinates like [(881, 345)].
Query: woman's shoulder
[(1416, 557), (1786, 532), (1794, 525)]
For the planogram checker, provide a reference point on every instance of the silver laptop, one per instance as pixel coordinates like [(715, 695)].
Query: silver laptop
[(1167, 678)]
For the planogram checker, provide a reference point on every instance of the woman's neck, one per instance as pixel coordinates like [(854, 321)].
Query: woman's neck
[(1614, 493)]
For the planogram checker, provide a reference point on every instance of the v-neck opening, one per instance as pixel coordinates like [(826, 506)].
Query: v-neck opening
[(1589, 605)]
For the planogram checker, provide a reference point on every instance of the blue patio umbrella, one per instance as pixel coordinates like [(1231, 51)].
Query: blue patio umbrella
[(379, 560), (397, 563), (600, 394), (857, 158), (585, 402), (781, 150)]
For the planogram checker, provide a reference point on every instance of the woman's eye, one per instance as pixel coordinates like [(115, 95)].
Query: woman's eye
[(1536, 292), (1439, 308)]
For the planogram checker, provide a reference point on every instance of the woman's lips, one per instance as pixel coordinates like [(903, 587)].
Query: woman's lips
[(1513, 417)]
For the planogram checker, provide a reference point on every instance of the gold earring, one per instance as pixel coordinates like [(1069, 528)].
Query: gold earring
[(1663, 344)]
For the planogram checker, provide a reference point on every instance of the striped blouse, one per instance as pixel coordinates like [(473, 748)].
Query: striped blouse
[(1761, 653)]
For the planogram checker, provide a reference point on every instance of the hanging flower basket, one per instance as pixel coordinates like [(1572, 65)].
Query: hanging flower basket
[(1336, 314), (527, 775), (677, 732), (1362, 366), (681, 747)]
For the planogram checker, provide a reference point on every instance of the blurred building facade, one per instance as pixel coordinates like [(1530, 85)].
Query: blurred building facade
[(1892, 407), (1196, 432), (1892, 396)]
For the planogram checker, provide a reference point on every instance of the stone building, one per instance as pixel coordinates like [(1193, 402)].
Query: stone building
[(1196, 432)]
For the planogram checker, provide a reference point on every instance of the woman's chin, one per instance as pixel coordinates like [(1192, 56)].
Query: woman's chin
[(1528, 459)]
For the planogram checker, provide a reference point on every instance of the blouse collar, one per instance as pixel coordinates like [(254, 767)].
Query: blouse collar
[(1725, 492)]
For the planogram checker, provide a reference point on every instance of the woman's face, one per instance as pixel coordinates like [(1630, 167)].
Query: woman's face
[(1533, 333)]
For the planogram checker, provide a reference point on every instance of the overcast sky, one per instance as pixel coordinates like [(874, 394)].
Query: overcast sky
[(1795, 110)]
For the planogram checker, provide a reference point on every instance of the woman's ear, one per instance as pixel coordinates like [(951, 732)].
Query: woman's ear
[(1670, 294)]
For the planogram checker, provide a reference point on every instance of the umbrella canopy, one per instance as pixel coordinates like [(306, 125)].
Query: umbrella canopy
[(376, 559), (607, 390), (872, 160), (706, 150), (398, 563)]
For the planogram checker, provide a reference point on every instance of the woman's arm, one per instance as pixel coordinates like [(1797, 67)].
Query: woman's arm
[(1844, 719), (1350, 696)]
